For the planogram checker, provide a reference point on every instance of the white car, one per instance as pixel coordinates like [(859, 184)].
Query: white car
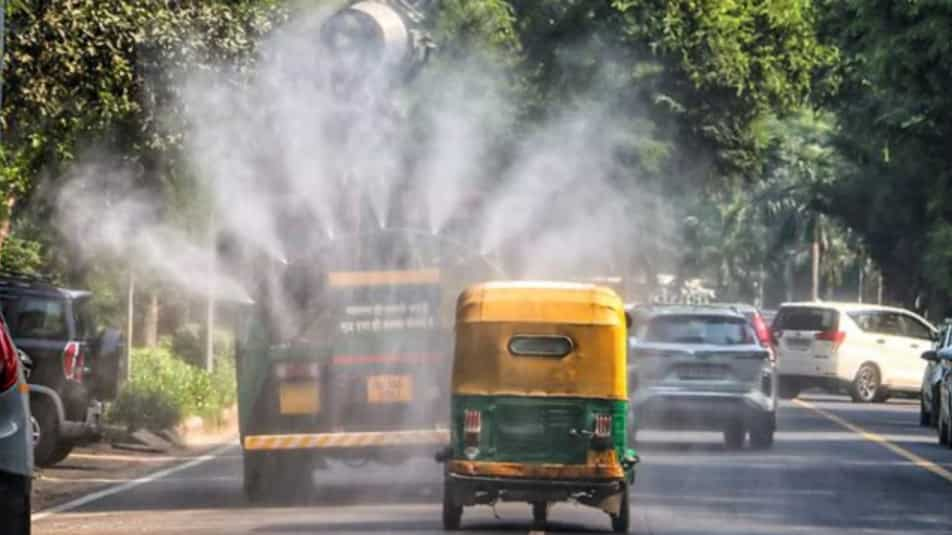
[(870, 351)]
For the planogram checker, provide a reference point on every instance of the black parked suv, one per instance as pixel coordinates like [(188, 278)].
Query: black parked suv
[(74, 366)]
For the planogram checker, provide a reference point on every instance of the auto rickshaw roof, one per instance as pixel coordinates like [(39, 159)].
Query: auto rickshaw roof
[(540, 302)]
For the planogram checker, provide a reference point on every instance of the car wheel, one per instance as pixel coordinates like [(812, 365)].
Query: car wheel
[(452, 513), (15, 504), (867, 385), (48, 442), (621, 523), (62, 451), (762, 432), (943, 435), (788, 389), (734, 435), (934, 413), (925, 419), (948, 434), (540, 515)]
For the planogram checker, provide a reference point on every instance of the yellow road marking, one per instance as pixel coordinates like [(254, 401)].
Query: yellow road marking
[(921, 462)]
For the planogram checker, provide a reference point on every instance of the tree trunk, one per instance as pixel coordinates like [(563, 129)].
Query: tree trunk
[(150, 329), (788, 278)]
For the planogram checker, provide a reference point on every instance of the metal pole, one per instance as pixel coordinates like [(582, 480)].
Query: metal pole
[(210, 310), (862, 276), (130, 311)]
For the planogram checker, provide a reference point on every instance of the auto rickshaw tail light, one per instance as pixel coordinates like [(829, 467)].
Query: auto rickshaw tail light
[(472, 426), (603, 426)]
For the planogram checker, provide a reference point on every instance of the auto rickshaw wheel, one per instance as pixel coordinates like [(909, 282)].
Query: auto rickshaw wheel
[(621, 523), (452, 513), (540, 515)]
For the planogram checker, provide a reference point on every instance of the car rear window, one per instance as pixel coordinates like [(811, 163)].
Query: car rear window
[(806, 319), (698, 329), (39, 317)]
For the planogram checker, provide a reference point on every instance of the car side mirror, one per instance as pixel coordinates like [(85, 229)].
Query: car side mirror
[(931, 356)]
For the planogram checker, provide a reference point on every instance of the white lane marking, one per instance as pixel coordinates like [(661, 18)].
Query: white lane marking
[(112, 457), (129, 485), (921, 462)]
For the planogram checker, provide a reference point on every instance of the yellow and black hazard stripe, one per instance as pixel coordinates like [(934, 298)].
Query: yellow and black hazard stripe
[(347, 440)]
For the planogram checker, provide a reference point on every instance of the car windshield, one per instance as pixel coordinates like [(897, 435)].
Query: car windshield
[(697, 329)]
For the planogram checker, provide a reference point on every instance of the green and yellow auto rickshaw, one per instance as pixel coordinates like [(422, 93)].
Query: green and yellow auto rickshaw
[(539, 400)]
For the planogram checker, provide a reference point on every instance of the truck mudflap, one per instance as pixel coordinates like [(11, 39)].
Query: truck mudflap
[(372, 439)]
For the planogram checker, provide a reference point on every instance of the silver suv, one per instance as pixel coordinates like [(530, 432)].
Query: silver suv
[(703, 368), (16, 434)]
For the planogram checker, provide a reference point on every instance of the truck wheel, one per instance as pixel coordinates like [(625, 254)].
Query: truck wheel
[(47, 419), (734, 435), (253, 482), (276, 477), (15, 504), (621, 523), (540, 515), (452, 513), (762, 432)]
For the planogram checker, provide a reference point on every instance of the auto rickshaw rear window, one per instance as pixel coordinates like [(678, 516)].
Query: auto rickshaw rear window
[(540, 346)]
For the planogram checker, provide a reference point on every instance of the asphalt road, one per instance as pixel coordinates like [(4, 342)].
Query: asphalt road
[(852, 469)]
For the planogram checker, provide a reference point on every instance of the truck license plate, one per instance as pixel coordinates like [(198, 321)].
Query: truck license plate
[(299, 398), (389, 388)]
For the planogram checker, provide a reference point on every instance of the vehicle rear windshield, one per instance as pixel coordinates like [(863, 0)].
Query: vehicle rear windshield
[(806, 319), (696, 329), (38, 317)]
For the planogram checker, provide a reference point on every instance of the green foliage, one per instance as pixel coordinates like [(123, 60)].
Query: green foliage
[(892, 109), (21, 255), (188, 342), (702, 73), (167, 386), (767, 228)]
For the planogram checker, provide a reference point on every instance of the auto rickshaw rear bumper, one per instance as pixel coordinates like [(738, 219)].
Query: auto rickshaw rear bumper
[(480, 490)]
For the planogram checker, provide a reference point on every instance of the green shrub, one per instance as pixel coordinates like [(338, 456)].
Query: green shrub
[(174, 388), (140, 407)]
